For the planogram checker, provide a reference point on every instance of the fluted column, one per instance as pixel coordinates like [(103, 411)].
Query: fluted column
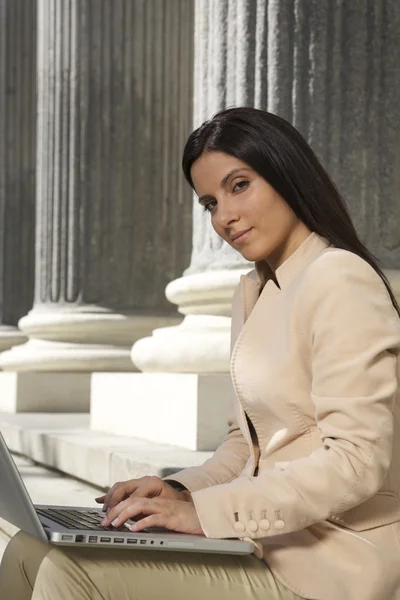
[(224, 43), (113, 217), (17, 164), (338, 82)]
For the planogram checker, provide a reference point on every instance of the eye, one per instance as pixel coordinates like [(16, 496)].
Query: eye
[(240, 185), (209, 206)]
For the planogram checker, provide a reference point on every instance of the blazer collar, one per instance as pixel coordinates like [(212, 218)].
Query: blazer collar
[(253, 282), (305, 253)]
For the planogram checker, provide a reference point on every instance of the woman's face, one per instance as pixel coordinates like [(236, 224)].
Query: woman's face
[(245, 210)]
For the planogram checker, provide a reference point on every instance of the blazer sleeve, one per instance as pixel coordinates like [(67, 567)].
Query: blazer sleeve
[(233, 453), (354, 336), (226, 463)]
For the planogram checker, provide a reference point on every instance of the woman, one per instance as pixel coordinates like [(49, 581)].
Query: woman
[(309, 470)]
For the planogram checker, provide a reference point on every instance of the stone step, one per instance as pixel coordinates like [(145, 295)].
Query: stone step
[(65, 442), (48, 487)]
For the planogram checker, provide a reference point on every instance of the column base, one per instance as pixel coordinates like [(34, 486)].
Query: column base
[(45, 392), (79, 340), (186, 410), (48, 356), (10, 336), (200, 344)]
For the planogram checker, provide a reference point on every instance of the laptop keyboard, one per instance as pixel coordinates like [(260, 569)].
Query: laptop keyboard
[(77, 519)]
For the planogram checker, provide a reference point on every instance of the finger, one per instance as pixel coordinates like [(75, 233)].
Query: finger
[(157, 520), (131, 508), (147, 489), (145, 486), (119, 493), (127, 489), (109, 494), (115, 512), (100, 500)]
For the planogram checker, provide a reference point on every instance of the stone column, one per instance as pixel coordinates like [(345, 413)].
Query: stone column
[(113, 218), (333, 71), (17, 164), (329, 67), (224, 44), (186, 380)]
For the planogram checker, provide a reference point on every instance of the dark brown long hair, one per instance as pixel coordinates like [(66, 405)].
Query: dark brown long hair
[(279, 153)]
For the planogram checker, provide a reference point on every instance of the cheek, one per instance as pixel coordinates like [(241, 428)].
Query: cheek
[(217, 228), (277, 215), (220, 231)]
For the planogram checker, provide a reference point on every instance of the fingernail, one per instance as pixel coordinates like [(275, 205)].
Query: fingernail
[(131, 526), (115, 523), (104, 522)]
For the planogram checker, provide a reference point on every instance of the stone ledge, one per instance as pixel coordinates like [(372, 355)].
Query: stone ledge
[(50, 487), (66, 443), (47, 487), (35, 392)]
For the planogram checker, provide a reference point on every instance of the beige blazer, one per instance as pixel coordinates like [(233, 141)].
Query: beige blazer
[(310, 467)]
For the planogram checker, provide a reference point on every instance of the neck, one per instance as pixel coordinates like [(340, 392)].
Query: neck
[(289, 246)]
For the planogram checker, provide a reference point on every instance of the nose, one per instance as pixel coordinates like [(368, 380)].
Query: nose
[(226, 214)]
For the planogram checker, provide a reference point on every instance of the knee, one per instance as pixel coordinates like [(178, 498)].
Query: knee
[(20, 563), (60, 577), (56, 565), (20, 548), (18, 542)]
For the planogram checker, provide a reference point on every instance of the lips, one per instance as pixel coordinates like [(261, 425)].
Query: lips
[(238, 234)]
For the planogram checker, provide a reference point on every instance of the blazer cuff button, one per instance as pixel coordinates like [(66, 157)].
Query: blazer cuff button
[(239, 527), (265, 524), (252, 526)]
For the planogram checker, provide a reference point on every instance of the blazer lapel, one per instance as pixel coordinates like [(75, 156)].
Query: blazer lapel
[(245, 298)]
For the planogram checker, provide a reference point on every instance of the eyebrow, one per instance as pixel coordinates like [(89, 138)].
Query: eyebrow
[(224, 181)]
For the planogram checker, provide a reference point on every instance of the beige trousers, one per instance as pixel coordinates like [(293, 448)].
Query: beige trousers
[(33, 570)]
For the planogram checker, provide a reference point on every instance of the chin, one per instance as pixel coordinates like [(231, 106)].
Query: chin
[(252, 253), (252, 256), (257, 251)]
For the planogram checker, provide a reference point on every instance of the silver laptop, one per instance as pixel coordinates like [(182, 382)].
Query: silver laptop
[(66, 525)]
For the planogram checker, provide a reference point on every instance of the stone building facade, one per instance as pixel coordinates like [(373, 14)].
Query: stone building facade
[(95, 108)]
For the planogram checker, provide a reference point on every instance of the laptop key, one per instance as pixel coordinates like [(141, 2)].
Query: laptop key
[(75, 519), (62, 520)]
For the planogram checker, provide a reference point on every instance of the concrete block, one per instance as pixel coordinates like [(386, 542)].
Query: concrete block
[(26, 433), (65, 443), (44, 392), (183, 409), (160, 461)]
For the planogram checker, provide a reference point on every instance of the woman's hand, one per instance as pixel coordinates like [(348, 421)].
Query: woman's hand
[(145, 487), (175, 515)]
